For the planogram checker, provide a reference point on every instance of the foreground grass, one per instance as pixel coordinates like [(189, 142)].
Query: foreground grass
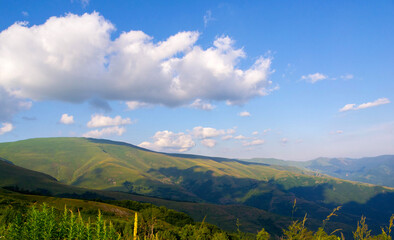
[(43, 222)]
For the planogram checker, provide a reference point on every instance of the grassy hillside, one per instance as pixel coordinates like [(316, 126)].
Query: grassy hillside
[(32, 182), (375, 170), (107, 165)]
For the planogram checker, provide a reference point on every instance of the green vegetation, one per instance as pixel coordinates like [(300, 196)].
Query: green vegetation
[(222, 190), (43, 222)]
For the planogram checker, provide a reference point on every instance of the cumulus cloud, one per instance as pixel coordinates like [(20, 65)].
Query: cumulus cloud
[(207, 132), (208, 142), (133, 105), (6, 127), (105, 132), (284, 140), (313, 78), (375, 103), (67, 119), (255, 133), (200, 104), (169, 141), (98, 120), (73, 58), (10, 104), (254, 142), (244, 114)]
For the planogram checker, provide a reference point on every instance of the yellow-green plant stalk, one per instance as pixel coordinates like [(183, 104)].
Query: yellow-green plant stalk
[(135, 226)]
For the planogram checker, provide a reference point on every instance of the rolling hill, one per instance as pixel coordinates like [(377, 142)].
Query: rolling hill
[(115, 166), (36, 187), (375, 170)]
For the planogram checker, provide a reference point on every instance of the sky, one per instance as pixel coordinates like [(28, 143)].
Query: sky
[(293, 80)]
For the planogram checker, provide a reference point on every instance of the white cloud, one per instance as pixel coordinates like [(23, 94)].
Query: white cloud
[(105, 132), (207, 132), (375, 103), (209, 142), (73, 58), (244, 114), (67, 119), (313, 78), (255, 133), (231, 130), (348, 107), (200, 104), (339, 132), (169, 141), (6, 127), (254, 142), (227, 137), (132, 105), (24, 13), (240, 137), (98, 120), (284, 140)]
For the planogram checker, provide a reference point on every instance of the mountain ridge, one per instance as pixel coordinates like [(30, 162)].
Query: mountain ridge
[(104, 165)]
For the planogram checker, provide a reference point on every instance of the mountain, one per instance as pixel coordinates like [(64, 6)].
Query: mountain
[(30, 182), (116, 166), (376, 170)]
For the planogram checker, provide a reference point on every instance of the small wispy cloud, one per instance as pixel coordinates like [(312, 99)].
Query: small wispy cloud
[(375, 103), (227, 137), (313, 78), (208, 17), (244, 114), (267, 130), (346, 76), (200, 104), (240, 137), (254, 142), (133, 105), (337, 132), (24, 13)]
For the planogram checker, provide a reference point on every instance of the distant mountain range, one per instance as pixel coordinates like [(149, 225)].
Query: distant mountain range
[(80, 167), (376, 170)]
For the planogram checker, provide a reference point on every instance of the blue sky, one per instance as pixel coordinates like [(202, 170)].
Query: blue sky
[(287, 79)]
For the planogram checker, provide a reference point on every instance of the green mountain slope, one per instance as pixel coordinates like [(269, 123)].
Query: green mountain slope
[(375, 170), (32, 182), (107, 165)]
